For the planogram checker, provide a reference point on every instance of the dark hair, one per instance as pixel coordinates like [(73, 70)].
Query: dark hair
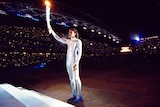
[(75, 31)]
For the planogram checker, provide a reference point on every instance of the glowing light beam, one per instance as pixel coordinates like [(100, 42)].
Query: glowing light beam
[(47, 3)]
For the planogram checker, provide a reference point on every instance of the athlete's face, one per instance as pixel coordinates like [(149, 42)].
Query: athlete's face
[(71, 34)]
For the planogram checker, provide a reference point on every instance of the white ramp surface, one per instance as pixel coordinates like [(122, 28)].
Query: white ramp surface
[(12, 96), (7, 100)]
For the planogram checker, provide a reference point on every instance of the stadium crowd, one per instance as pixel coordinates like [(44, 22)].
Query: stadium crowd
[(24, 46)]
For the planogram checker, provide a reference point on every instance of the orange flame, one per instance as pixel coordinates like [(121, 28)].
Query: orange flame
[(47, 3)]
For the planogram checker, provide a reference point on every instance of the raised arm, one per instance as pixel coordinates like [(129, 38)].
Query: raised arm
[(51, 31)]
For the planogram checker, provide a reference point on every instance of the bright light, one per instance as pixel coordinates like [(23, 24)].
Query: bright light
[(47, 3), (85, 28), (3, 12), (92, 30), (125, 49), (99, 32), (75, 25), (137, 38), (117, 41)]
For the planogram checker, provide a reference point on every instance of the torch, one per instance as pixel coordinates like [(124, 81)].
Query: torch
[(47, 3)]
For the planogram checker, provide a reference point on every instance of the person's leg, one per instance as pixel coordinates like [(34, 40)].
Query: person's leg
[(79, 87), (72, 83), (78, 83)]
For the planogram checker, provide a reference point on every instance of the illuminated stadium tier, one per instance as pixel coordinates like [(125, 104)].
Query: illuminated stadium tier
[(23, 46), (63, 16), (24, 38)]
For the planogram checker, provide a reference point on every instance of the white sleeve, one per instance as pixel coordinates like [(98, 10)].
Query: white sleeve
[(62, 40), (79, 50), (51, 31)]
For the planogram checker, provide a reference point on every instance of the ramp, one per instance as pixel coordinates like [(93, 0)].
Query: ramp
[(11, 96)]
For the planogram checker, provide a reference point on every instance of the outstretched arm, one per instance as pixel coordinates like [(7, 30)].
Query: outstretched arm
[(51, 31)]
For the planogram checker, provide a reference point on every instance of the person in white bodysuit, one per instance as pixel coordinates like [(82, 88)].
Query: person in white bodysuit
[(73, 56)]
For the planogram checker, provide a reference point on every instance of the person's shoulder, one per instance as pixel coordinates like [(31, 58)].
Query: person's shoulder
[(78, 40)]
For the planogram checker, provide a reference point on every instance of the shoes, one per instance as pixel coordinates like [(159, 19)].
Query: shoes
[(71, 99), (78, 100), (75, 99)]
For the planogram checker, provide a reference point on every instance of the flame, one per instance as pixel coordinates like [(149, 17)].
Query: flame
[(47, 3)]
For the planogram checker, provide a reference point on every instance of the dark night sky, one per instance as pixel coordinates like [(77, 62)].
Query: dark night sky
[(124, 17)]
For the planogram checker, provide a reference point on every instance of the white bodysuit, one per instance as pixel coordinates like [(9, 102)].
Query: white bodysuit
[(74, 53)]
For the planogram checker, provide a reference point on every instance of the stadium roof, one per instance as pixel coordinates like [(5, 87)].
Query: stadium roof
[(65, 16)]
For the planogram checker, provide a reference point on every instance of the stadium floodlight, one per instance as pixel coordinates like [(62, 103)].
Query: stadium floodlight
[(137, 38), (75, 25), (99, 32), (84, 27), (92, 30)]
